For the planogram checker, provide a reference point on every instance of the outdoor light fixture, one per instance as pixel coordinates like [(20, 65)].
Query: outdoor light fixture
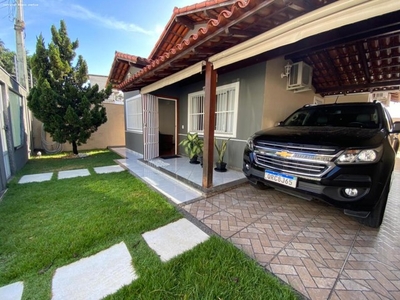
[(287, 70)]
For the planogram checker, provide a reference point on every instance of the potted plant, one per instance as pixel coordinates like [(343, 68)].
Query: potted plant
[(193, 146), (221, 149)]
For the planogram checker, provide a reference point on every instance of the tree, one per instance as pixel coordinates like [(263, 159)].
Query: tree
[(70, 109), (6, 58)]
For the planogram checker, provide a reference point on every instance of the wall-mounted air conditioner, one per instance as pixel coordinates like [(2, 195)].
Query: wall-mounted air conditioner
[(383, 97), (300, 77)]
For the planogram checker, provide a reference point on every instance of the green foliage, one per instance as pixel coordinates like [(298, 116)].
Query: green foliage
[(7, 58), (221, 149), (192, 144), (70, 109)]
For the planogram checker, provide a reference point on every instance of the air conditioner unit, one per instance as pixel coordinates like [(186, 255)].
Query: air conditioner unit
[(383, 97), (300, 77)]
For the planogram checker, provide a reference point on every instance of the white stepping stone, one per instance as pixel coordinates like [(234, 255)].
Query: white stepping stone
[(95, 277), (12, 291), (108, 169), (73, 173), (174, 238), (36, 178)]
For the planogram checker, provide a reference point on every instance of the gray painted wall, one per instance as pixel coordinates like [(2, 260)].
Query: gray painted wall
[(3, 180), (134, 141), (250, 109), (17, 156)]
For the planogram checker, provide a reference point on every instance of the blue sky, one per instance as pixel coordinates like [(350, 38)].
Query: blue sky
[(102, 27)]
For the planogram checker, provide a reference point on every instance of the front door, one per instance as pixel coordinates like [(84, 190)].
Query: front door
[(150, 127), (3, 128)]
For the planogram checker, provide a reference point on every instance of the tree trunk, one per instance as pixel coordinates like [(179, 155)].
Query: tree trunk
[(74, 148)]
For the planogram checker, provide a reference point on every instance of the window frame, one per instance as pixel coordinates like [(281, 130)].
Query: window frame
[(138, 115), (219, 90)]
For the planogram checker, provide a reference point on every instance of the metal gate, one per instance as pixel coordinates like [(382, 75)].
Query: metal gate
[(150, 127), (3, 128)]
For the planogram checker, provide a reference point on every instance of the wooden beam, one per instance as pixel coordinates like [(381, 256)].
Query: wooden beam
[(198, 50), (185, 21), (238, 33), (209, 125), (363, 59), (388, 84)]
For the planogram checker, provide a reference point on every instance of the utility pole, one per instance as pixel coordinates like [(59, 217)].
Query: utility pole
[(22, 68), (19, 27)]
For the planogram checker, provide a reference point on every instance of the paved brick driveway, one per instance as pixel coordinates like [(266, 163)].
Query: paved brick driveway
[(315, 248)]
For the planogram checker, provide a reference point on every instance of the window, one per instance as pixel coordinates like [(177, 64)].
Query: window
[(16, 112), (134, 114), (225, 110)]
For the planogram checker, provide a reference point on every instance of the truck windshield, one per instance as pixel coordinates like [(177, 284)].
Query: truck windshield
[(335, 115)]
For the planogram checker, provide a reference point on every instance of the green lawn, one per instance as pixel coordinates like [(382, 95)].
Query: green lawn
[(47, 225)]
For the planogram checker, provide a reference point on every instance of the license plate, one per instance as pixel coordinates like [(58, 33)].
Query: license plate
[(280, 178)]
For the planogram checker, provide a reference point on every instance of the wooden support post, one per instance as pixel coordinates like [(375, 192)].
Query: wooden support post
[(209, 125)]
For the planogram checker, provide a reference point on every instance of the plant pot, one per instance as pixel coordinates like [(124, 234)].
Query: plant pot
[(201, 160), (220, 167), (194, 160)]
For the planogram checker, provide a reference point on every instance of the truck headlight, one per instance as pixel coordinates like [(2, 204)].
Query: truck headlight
[(359, 156), (250, 143)]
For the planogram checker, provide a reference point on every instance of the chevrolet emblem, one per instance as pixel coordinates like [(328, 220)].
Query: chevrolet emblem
[(284, 154)]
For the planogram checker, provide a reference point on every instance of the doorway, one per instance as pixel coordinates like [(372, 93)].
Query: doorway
[(167, 126)]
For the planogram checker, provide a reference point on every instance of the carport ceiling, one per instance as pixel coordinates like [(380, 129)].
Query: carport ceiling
[(363, 57)]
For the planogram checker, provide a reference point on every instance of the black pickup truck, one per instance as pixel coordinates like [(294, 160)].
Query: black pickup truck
[(343, 154)]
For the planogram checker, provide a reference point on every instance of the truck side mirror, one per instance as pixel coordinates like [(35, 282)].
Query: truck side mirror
[(396, 127)]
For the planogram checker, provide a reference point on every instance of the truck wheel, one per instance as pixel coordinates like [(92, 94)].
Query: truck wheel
[(375, 218)]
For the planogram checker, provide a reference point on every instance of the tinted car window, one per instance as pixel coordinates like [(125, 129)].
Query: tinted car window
[(337, 116)]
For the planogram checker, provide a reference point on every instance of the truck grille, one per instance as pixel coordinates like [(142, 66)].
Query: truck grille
[(305, 161)]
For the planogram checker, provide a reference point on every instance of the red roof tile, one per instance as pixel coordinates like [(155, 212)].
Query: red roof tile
[(121, 64), (212, 25), (179, 31)]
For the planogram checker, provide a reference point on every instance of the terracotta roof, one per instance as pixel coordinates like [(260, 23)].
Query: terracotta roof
[(242, 20), (185, 19), (360, 57), (121, 65)]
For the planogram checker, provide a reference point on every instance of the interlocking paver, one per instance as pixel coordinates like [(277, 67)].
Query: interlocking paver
[(315, 248), (224, 224), (201, 209)]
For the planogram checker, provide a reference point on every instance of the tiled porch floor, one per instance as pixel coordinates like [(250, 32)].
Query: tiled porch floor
[(314, 247), (176, 178)]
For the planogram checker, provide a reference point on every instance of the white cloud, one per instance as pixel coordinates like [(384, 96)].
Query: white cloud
[(79, 12)]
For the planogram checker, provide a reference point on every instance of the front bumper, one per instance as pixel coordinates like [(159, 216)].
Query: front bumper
[(330, 188)]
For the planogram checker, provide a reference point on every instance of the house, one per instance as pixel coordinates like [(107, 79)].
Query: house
[(15, 128), (108, 134), (230, 68)]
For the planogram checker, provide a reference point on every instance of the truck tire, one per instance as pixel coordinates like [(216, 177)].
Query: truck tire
[(375, 218)]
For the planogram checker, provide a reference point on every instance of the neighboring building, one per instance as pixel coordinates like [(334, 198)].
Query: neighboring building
[(230, 68), (108, 134), (15, 128)]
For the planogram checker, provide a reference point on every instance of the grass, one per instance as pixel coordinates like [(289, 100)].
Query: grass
[(66, 161), (44, 226)]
